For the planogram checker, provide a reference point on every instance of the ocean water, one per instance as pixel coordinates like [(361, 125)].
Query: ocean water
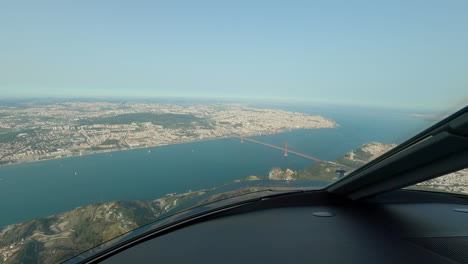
[(34, 190)]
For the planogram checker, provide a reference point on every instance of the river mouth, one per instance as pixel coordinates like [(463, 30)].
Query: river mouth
[(39, 189)]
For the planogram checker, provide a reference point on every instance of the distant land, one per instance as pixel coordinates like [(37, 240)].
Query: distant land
[(429, 117), (33, 131)]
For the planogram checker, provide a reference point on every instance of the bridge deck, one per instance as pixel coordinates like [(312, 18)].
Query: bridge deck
[(276, 147)]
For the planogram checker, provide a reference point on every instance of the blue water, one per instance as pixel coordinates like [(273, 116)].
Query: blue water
[(44, 188)]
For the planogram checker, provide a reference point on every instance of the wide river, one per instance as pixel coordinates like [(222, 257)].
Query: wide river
[(39, 189)]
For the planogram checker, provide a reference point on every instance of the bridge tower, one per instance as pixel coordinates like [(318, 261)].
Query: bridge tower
[(286, 149), (242, 139)]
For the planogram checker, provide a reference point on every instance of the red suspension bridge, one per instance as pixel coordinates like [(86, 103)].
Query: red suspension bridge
[(285, 149)]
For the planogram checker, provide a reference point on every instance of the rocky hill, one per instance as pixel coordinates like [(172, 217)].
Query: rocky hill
[(56, 238)]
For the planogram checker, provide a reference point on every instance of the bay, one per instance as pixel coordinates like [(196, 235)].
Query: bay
[(39, 189)]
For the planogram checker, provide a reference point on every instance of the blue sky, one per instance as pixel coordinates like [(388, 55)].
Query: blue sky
[(386, 53)]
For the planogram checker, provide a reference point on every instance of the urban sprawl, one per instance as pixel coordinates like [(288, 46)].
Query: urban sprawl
[(34, 131)]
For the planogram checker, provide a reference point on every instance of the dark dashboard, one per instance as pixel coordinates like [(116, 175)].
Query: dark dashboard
[(317, 227)]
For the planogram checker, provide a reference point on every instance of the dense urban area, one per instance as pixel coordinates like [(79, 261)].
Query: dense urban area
[(456, 182), (38, 131)]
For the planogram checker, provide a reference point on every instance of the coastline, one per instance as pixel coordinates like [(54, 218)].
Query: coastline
[(89, 153), (20, 162), (59, 139)]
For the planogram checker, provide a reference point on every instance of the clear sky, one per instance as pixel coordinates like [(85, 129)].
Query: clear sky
[(392, 53)]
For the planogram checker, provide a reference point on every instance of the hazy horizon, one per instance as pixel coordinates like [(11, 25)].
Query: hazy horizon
[(389, 54), (220, 100)]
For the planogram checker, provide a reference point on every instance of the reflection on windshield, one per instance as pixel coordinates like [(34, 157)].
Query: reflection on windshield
[(227, 195)]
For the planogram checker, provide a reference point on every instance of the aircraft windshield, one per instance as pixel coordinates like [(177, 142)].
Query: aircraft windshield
[(116, 114)]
